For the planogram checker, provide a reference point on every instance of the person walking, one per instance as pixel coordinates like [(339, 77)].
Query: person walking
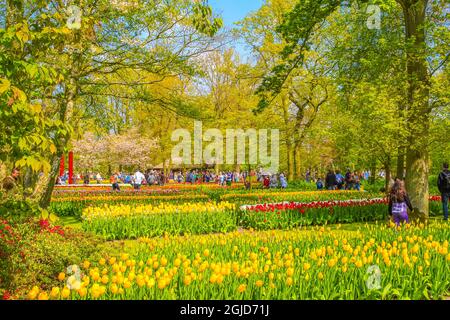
[(330, 180), (339, 180), (348, 180), (229, 179), (115, 182), (283, 181), (266, 182), (138, 179), (273, 181), (357, 181), (308, 176), (10, 182), (399, 203), (86, 178), (444, 188), (162, 179)]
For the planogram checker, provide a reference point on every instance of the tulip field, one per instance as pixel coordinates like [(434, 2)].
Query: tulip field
[(199, 243), (410, 262), (130, 222)]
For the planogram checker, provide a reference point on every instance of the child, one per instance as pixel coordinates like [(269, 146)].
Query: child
[(398, 203)]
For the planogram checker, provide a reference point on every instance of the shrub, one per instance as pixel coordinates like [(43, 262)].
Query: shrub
[(34, 252)]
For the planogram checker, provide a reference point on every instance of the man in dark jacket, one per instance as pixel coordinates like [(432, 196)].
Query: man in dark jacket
[(444, 188), (10, 182), (330, 180)]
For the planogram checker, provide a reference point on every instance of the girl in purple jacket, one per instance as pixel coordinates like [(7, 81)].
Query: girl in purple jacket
[(399, 203)]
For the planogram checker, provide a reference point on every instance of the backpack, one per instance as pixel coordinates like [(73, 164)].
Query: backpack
[(445, 180)]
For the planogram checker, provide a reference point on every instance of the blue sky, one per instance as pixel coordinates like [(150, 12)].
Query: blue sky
[(233, 11)]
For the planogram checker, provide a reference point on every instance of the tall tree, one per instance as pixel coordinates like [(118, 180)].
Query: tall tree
[(305, 19)]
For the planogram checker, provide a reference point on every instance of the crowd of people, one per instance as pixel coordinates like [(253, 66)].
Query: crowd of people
[(399, 202), (334, 180), (157, 177)]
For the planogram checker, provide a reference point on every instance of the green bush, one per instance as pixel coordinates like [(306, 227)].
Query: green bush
[(16, 208), (34, 253)]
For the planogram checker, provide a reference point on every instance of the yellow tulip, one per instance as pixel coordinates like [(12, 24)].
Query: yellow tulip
[(32, 294), (162, 284), (55, 292), (187, 280), (65, 292), (289, 281), (43, 296), (151, 283), (290, 271), (114, 288), (213, 278), (242, 288), (105, 279), (82, 292)]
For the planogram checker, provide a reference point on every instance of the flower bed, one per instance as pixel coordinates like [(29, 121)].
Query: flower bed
[(291, 214), (178, 186), (303, 196), (83, 193), (133, 221), (73, 206), (375, 262)]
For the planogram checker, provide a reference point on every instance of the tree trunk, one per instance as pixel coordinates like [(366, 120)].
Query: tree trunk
[(216, 168), (373, 169), (297, 160), (401, 162), (46, 196), (29, 181), (290, 162), (65, 114), (418, 111), (387, 169), (169, 168)]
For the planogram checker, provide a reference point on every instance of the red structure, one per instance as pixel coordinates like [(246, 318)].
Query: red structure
[(61, 166), (70, 167)]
